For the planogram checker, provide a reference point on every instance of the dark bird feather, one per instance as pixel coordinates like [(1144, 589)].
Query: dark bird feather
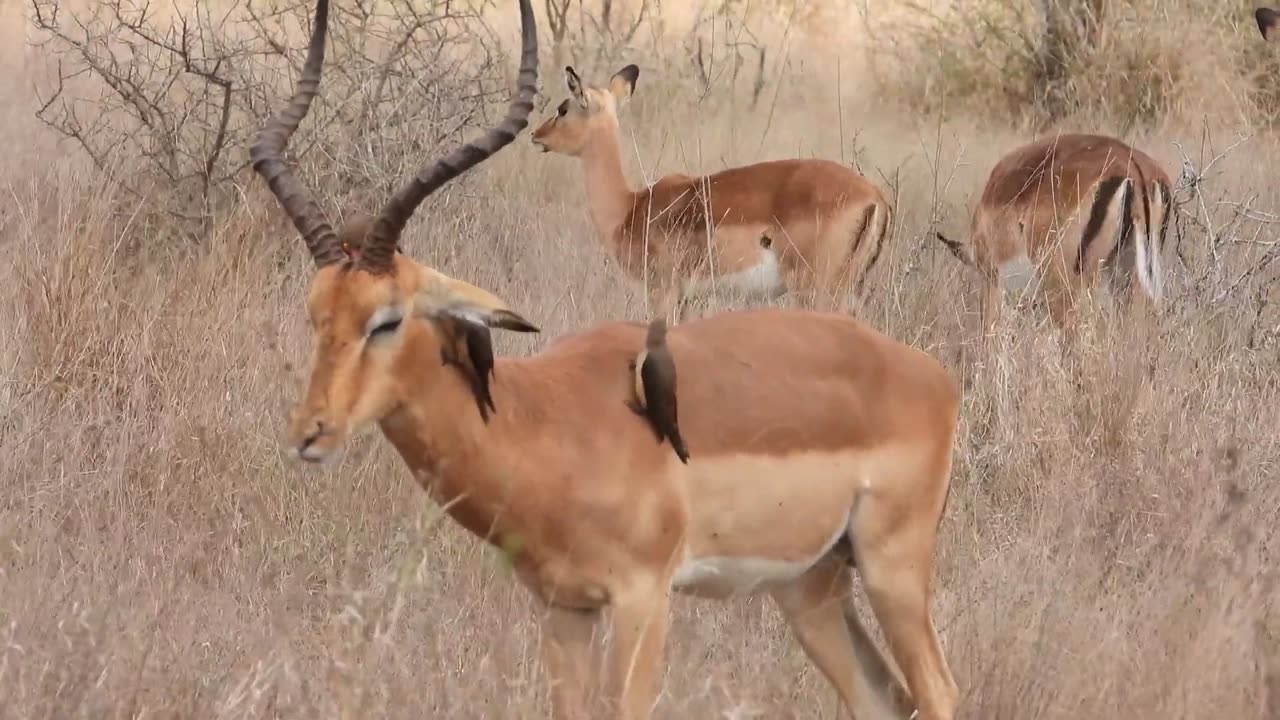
[(655, 389), (475, 341)]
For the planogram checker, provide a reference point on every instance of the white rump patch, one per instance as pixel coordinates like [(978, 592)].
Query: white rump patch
[(1155, 274), (743, 575), (1142, 262), (764, 279), (1018, 275)]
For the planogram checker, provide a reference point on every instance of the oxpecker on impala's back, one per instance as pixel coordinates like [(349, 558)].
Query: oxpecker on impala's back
[(655, 377)]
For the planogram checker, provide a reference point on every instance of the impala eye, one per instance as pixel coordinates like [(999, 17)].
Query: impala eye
[(563, 109), (388, 326)]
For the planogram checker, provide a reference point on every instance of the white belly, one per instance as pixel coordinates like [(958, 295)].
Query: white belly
[(762, 280), (720, 577)]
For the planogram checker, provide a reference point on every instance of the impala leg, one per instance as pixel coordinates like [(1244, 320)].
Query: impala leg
[(640, 623), (815, 607), (895, 558), (567, 647), (667, 300), (797, 279), (991, 302), (1064, 300), (881, 673)]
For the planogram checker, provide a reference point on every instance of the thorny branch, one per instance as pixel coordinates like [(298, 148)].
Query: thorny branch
[(183, 90), (718, 47), (1234, 258)]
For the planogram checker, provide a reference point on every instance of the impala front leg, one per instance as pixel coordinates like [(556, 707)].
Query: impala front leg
[(567, 640), (640, 622)]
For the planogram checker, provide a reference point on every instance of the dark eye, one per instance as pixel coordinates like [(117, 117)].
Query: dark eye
[(564, 108), (389, 326)]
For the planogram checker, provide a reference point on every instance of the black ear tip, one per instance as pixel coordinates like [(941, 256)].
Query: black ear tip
[(1266, 18), (523, 326), (631, 72)]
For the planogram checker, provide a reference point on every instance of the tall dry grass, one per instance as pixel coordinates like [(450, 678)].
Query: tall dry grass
[(1110, 546)]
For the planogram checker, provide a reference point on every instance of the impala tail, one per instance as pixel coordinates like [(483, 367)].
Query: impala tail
[(1150, 244)]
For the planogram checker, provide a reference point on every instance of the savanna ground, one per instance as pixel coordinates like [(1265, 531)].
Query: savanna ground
[(1110, 544)]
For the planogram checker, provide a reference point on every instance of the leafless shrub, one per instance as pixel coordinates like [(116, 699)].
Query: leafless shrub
[(1053, 60), (605, 33), (720, 46), (184, 91), (1235, 263)]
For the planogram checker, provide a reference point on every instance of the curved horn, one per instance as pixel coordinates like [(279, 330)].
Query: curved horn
[(267, 149), (377, 253)]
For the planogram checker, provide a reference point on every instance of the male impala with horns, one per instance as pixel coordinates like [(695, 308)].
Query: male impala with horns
[(815, 443)]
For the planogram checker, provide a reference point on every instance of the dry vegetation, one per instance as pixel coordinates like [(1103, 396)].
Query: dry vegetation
[(1110, 548)]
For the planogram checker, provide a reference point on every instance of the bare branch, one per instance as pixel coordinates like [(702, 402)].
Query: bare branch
[(179, 97)]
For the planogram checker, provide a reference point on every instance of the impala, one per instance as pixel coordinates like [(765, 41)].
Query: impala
[(1077, 206), (816, 444), (809, 226)]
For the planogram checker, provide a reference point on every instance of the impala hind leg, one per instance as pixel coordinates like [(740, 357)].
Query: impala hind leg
[(567, 645), (816, 606), (640, 622), (895, 540), (668, 300)]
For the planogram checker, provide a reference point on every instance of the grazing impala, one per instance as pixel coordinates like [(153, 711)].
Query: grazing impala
[(817, 444), (812, 227), (1077, 206)]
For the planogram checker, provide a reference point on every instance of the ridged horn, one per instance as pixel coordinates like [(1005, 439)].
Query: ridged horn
[(385, 235), (266, 153)]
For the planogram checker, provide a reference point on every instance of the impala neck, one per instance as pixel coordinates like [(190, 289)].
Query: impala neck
[(607, 191), (451, 452)]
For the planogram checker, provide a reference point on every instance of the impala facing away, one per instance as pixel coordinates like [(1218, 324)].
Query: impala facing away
[(812, 227), (1075, 206), (816, 444)]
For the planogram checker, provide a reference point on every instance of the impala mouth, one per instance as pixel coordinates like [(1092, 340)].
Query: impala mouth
[(316, 448), (539, 144), (308, 452)]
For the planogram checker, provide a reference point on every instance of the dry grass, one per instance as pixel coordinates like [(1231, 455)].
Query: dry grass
[(1109, 551)]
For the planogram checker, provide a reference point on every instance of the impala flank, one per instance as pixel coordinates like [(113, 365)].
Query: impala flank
[(812, 227), (815, 443), (1058, 212)]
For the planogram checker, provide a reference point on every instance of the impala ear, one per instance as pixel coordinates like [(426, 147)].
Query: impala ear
[(1268, 23), (442, 296), (575, 84), (623, 83)]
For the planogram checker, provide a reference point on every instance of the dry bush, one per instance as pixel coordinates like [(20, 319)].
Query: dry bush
[(169, 97), (1134, 69), (1110, 548)]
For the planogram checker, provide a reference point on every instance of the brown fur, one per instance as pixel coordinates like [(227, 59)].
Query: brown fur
[(808, 425), (819, 213), (1043, 201)]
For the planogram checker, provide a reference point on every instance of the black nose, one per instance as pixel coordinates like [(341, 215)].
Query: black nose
[(312, 436)]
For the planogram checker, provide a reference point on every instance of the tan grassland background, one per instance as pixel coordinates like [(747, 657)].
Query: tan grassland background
[(1110, 547)]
